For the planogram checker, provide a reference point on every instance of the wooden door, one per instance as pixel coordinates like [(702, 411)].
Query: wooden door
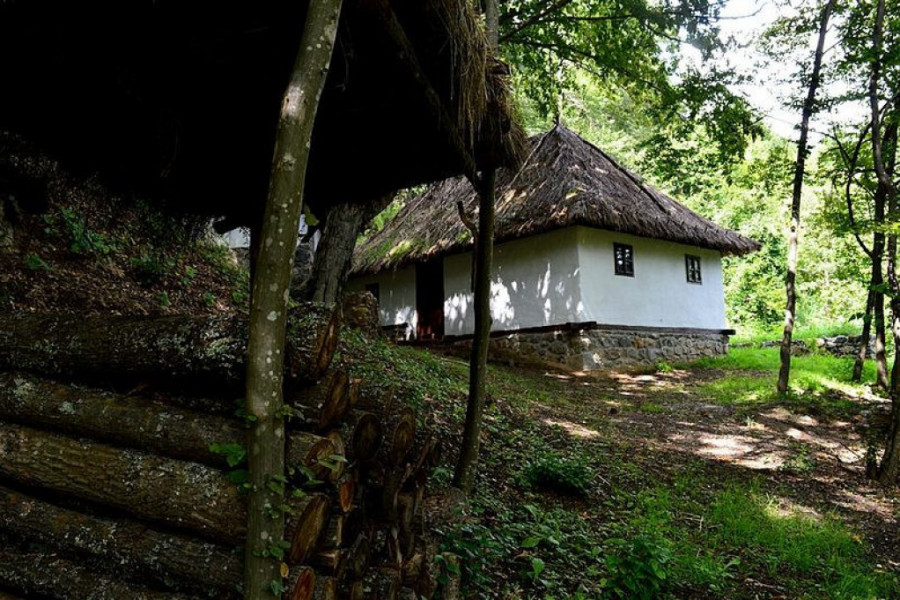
[(430, 300)]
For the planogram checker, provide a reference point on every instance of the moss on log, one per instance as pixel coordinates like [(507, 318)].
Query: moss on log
[(182, 494), (203, 349), (174, 561), (49, 576)]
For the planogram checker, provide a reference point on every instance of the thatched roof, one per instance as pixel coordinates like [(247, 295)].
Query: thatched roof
[(564, 181), (180, 98)]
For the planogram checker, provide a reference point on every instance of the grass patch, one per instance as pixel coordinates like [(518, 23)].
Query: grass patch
[(715, 541), (818, 382)]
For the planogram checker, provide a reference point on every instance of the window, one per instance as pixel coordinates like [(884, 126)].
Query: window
[(624, 259), (692, 268), (375, 290)]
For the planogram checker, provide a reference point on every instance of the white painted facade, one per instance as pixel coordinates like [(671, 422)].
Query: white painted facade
[(568, 276)]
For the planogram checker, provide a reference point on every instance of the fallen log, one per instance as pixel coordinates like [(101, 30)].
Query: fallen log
[(305, 528), (363, 433), (301, 584), (347, 490), (343, 529), (204, 349), (50, 576), (143, 424), (174, 561), (182, 494), (322, 406)]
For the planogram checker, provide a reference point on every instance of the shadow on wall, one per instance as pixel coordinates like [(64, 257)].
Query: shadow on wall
[(544, 294)]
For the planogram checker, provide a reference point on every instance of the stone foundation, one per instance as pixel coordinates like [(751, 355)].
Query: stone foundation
[(601, 348)]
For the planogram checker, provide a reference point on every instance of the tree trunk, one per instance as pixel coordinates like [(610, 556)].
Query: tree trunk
[(270, 294), (799, 170), (331, 264), (211, 352), (864, 336), (464, 476), (172, 561)]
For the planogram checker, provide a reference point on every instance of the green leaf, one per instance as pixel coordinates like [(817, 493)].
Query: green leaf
[(537, 567), (531, 542)]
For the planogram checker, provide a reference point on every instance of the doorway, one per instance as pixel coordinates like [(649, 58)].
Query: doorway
[(430, 300)]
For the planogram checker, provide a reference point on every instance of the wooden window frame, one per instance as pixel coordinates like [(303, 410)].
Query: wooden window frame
[(693, 269), (626, 269)]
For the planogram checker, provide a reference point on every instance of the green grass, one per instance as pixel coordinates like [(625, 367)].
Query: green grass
[(716, 541), (751, 374), (708, 531)]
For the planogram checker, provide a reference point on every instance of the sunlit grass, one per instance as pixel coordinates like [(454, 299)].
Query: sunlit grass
[(739, 529), (751, 376)]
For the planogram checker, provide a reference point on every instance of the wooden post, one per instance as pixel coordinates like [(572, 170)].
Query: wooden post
[(268, 309)]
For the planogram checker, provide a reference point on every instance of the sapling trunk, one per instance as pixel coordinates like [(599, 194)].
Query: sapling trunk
[(799, 170), (269, 299)]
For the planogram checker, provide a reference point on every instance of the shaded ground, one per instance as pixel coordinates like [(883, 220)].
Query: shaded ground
[(734, 492), (818, 459)]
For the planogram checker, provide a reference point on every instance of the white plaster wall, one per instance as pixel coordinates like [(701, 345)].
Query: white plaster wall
[(535, 283), (397, 291), (658, 295)]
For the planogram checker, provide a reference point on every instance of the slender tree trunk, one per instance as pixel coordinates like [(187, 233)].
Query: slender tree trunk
[(492, 23), (464, 477), (881, 369), (884, 159), (863, 351), (268, 310), (800, 167), (343, 225)]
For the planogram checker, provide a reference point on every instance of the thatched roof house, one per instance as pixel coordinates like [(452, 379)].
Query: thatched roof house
[(565, 181), (580, 240), (180, 99)]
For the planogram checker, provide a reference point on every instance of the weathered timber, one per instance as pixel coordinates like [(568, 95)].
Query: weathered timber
[(406, 513), (363, 434), (400, 433), (343, 529), (48, 576), (357, 557), (301, 583), (141, 423), (329, 562), (306, 526), (347, 490), (182, 494), (352, 590), (322, 406), (174, 561), (383, 584), (338, 463), (211, 350), (326, 589)]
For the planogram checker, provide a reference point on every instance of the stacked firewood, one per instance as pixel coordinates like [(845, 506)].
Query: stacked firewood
[(128, 484)]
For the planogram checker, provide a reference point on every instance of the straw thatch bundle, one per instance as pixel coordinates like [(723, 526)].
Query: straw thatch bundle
[(564, 181)]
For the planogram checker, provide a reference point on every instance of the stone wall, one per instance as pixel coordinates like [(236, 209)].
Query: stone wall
[(608, 348)]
